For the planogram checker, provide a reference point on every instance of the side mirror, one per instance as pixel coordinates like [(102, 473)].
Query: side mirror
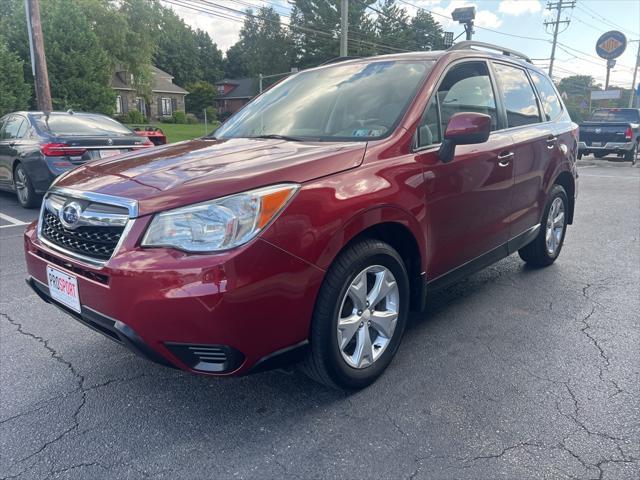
[(464, 128)]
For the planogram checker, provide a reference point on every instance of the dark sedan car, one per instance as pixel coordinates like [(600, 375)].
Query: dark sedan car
[(36, 147)]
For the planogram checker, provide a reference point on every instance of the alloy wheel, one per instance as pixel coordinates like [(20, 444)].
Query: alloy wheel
[(21, 184), (368, 316), (555, 226)]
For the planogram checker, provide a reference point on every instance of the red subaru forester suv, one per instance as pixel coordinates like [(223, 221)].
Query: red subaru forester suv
[(310, 223)]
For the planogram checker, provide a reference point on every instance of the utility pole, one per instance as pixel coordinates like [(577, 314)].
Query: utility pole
[(559, 6), (38, 58), (635, 71), (344, 28)]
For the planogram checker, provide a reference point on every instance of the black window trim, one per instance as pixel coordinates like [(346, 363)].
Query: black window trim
[(555, 90), (535, 94), (496, 94), (6, 119)]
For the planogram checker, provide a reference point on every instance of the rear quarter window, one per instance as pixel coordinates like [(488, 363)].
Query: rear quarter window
[(548, 96)]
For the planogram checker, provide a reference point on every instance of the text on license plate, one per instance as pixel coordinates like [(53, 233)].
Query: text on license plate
[(596, 144), (63, 288), (109, 153)]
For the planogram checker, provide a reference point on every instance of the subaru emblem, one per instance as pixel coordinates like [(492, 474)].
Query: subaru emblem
[(109, 141), (70, 215)]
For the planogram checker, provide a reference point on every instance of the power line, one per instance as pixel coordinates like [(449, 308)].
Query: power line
[(228, 16), (558, 6), (583, 7)]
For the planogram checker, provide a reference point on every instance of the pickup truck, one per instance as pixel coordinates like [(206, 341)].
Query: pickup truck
[(611, 130)]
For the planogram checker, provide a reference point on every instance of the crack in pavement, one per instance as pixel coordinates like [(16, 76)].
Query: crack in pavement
[(80, 379)]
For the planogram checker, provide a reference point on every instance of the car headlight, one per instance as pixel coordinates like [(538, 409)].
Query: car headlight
[(219, 224)]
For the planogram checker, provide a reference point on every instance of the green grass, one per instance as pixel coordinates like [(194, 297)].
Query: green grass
[(177, 133)]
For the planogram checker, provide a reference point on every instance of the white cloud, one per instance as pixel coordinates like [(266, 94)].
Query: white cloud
[(484, 18), (519, 7)]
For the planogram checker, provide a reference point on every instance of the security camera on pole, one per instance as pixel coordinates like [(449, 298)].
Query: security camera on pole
[(465, 16)]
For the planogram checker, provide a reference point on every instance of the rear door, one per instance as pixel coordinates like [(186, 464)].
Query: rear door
[(11, 129), (535, 145), (468, 199)]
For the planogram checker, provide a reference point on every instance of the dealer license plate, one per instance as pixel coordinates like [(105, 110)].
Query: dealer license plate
[(109, 153), (63, 288)]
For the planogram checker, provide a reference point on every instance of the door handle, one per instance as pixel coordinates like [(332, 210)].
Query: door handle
[(551, 141), (504, 158)]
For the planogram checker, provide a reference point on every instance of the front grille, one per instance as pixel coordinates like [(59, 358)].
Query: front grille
[(94, 242)]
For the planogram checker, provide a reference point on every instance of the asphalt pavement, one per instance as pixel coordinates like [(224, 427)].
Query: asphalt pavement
[(513, 373)]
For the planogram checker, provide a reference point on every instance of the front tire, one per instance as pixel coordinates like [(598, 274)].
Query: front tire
[(360, 316), (546, 247), (25, 192)]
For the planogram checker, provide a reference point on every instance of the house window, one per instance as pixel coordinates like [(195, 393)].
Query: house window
[(166, 106), (220, 89), (119, 104), (141, 105)]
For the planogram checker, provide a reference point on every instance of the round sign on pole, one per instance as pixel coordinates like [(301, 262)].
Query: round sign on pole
[(611, 45)]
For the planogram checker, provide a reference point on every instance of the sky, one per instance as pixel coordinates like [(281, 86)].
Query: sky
[(517, 24)]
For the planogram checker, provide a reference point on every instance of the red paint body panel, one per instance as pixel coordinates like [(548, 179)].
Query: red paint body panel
[(259, 298), (198, 170)]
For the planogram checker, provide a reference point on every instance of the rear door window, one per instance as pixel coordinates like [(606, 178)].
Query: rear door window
[(548, 96), (12, 127), (465, 88), (519, 98)]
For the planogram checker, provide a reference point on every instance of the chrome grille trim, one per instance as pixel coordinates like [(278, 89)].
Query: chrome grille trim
[(93, 218)]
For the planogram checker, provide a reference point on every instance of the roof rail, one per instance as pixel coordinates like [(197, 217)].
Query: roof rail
[(337, 60), (505, 51)]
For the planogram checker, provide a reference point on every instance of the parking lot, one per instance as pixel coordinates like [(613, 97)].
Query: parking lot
[(513, 373)]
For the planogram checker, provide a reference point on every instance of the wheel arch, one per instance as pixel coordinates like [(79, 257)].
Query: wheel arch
[(565, 180), (400, 234)]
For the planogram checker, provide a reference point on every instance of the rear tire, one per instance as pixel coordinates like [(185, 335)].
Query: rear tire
[(630, 156), (546, 247), (25, 192), (362, 352)]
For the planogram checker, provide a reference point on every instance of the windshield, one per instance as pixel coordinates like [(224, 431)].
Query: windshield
[(358, 101), (80, 125), (629, 115)]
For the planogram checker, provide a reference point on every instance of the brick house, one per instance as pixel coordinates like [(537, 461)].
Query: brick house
[(165, 98), (233, 94)]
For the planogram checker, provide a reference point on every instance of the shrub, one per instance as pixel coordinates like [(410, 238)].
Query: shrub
[(179, 117), (191, 119), (132, 117), (212, 114)]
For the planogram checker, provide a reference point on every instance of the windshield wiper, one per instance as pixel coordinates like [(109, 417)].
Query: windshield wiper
[(279, 137)]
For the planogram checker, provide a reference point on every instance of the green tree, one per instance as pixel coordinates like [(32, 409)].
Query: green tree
[(315, 29), (577, 85), (264, 46), (428, 34), (177, 51), (393, 28), (201, 95), (14, 92), (80, 68), (210, 59)]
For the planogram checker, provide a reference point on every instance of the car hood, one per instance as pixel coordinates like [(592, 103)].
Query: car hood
[(171, 176)]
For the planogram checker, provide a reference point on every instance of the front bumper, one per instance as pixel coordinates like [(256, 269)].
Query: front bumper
[(240, 308), (607, 147)]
